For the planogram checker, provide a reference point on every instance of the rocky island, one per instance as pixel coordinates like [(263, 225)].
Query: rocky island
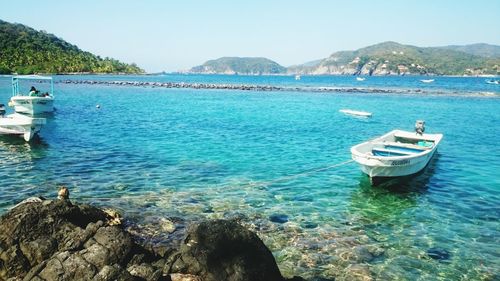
[(59, 240), (237, 65)]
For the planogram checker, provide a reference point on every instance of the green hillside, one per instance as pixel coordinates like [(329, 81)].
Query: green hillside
[(24, 50), (237, 65), (391, 58), (479, 49)]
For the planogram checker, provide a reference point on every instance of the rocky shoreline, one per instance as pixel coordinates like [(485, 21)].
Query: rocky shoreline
[(59, 240)]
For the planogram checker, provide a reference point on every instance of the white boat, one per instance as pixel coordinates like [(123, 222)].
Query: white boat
[(396, 154), (495, 82), (21, 125), (427, 80), (34, 101), (297, 77), (356, 113), (360, 78)]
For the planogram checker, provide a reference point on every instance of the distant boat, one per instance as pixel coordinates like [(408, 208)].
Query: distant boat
[(396, 154), (297, 77), (427, 80), (35, 102), (356, 113), (360, 78), (492, 81), (19, 124)]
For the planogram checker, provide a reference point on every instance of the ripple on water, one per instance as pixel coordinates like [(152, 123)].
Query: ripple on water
[(164, 153)]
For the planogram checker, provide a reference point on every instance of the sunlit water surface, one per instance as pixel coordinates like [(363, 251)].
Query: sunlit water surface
[(189, 154)]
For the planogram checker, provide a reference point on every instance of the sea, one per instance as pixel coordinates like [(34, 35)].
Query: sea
[(278, 162)]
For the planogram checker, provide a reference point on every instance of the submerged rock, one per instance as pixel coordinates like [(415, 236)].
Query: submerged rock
[(357, 272), (309, 224), (278, 218), (438, 254)]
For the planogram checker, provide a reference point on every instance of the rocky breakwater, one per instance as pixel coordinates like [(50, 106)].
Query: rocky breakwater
[(58, 240), (239, 87)]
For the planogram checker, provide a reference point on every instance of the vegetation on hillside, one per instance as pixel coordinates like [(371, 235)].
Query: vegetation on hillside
[(24, 50), (394, 58), (479, 49), (237, 65)]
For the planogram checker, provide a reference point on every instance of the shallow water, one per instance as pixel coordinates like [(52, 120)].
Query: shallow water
[(194, 154)]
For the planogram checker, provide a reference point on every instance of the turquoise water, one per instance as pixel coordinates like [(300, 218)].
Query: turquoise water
[(195, 154)]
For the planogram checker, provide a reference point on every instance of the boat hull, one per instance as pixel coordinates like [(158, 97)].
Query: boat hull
[(393, 168), (20, 125), (32, 105), (396, 154), (356, 113)]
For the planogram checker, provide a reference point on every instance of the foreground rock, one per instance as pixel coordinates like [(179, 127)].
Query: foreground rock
[(58, 240), (224, 250)]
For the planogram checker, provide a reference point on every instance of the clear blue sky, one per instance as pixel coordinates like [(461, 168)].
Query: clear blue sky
[(175, 35)]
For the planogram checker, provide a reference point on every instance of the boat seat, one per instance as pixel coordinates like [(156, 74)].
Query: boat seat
[(408, 145), (413, 137), (390, 152)]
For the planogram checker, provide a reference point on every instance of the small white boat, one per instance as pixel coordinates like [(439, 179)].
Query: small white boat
[(360, 78), (495, 82), (33, 102), (21, 125), (297, 77), (427, 80), (397, 153), (356, 113)]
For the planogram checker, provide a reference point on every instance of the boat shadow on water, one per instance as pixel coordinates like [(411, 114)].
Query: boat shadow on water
[(36, 147), (371, 205)]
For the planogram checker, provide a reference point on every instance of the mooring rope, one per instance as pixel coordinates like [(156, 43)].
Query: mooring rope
[(249, 184), (302, 174)]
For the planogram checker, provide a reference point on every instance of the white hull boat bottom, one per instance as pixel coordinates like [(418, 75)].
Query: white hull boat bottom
[(21, 125), (396, 154)]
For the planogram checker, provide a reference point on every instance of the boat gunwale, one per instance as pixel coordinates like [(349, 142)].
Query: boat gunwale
[(355, 152)]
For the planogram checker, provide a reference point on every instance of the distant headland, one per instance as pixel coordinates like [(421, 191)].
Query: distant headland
[(387, 58)]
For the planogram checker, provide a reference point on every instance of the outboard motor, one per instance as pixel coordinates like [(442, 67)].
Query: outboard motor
[(420, 127), (2, 110)]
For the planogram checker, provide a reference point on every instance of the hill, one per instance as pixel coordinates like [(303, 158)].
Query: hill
[(479, 49), (391, 58), (238, 65), (25, 50)]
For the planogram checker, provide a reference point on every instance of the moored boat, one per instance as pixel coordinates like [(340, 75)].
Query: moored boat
[(360, 78), (492, 81), (21, 125), (427, 80), (33, 102), (356, 113), (396, 154)]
